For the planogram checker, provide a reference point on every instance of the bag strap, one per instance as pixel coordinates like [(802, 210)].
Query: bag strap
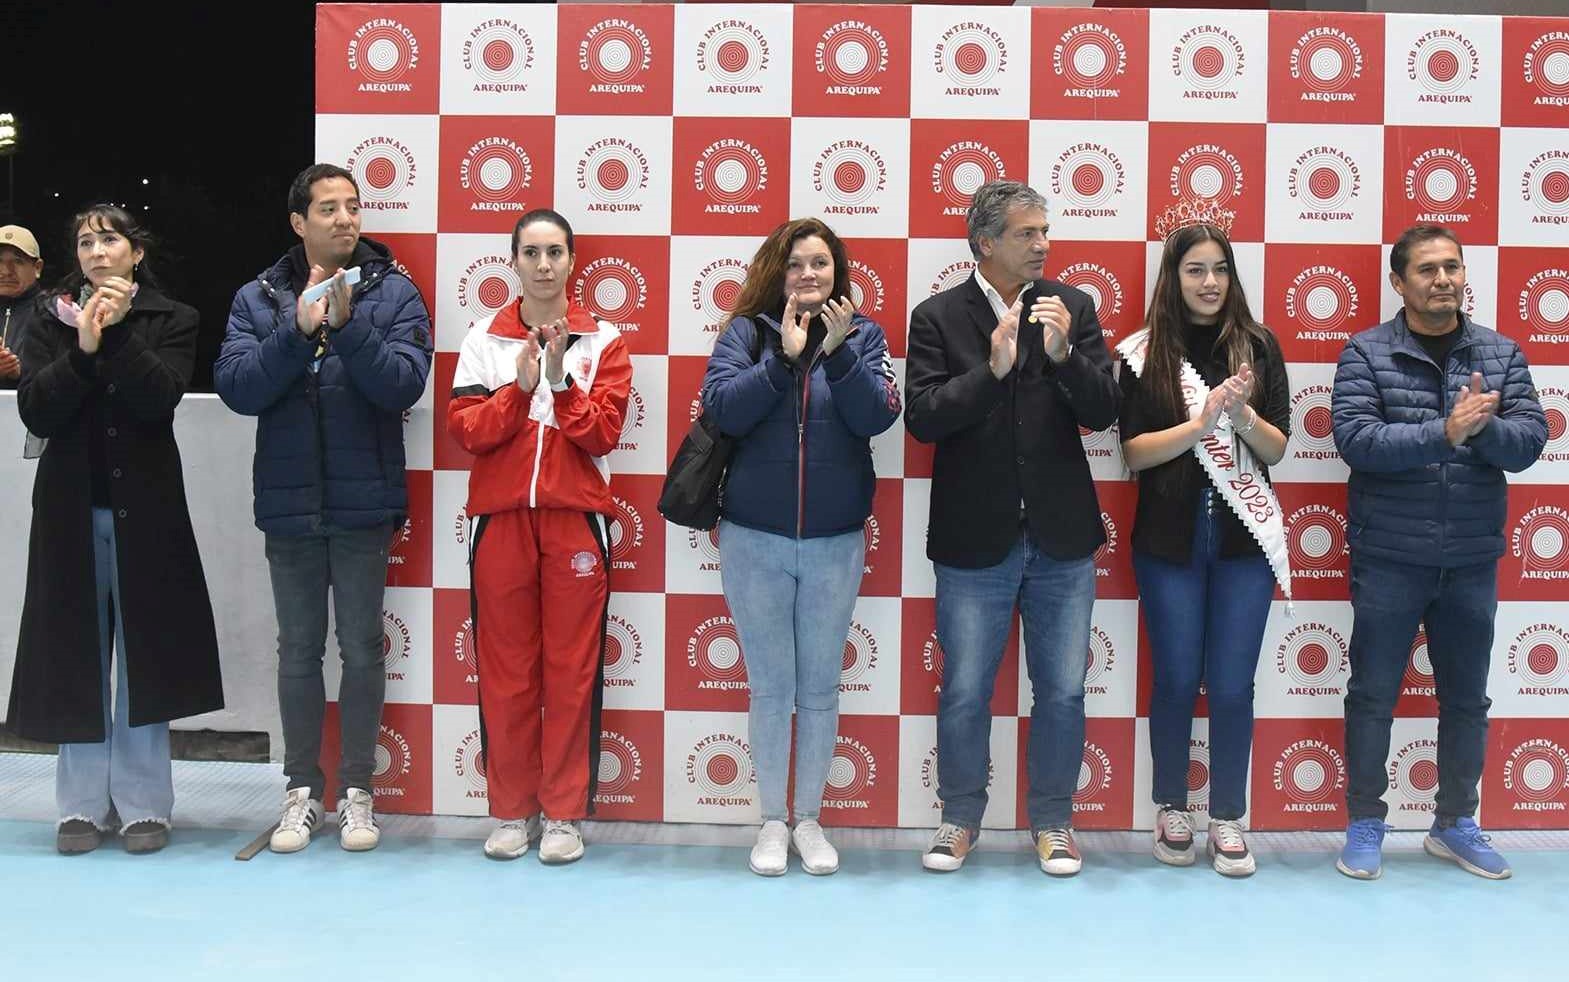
[(758, 327)]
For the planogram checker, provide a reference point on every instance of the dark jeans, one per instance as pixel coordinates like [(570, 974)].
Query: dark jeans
[(1457, 606), (353, 562), (1205, 621)]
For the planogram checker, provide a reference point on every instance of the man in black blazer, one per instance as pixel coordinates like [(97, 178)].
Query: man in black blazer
[(1002, 370)]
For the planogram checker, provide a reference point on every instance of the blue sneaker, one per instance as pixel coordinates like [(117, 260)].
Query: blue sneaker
[(1464, 843), (1362, 859)]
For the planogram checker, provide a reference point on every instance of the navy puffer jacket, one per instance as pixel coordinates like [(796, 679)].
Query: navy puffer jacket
[(329, 443), (848, 397), (1413, 497)]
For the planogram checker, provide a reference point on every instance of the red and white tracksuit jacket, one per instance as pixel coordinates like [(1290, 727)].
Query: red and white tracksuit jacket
[(539, 489)]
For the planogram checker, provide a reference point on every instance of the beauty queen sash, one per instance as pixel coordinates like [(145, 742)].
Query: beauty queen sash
[(1231, 466)]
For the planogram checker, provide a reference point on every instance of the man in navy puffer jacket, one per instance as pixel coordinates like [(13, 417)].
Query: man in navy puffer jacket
[(1430, 409), (330, 381)]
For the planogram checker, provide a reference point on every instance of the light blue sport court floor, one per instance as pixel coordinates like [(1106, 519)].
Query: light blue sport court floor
[(652, 902)]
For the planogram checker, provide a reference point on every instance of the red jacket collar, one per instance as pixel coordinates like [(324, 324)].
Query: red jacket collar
[(508, 322)]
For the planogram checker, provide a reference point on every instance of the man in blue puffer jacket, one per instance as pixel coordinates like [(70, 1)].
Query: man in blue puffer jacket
[(330, 381), (1430, 409)]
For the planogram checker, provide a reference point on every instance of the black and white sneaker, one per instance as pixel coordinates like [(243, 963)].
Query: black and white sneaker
[(1174, 836), (1228, 850)]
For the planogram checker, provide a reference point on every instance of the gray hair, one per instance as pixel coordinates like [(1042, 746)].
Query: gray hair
[(988, 215)]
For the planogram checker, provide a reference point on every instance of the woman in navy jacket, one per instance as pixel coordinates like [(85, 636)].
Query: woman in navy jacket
[(791, 540)]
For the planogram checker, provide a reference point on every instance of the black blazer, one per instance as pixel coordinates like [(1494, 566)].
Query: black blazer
[(1000, 442)]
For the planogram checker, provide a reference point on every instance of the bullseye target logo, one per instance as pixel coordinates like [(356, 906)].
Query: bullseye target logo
[(1311, 775), (1207, 170), (394, 762), (1540, 540), (1555, 405), (626, 533), (1326, 183), (615, 289), (1544, 186), (1441, 182), (468, 763), (715, 291), (1314, 660), (866, 288), (623, 652), (613, 171), (384, 169), (732, 53), (849, 173), (860, 660), (851, 55), (1095, 779), (951, 276), (705, 543), (632, 421), (713, 650), (960, 170), (497, 52), (1107, 551), (1539, 660), (614, 53), (1102, 659), (1323, 299), (1316, 543), (463, 651), (932, 658), (1546, 67), (1418, 679), (732, 173), (383, 52), (488, 284), (496, 172), (851, 775), (396, 645), (620, 768), (1413, 775), (970, 56), (1543, 304), (1442, 62), (1198, 775), (1099, 443), (719, 766), (1088, 178), (1312, 426), (1208, 59), (1536, 774), (1103, 287), (1327, 61), (1089, 58)]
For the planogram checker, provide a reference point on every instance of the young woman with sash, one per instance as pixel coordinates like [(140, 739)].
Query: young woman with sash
[(1206, 408)]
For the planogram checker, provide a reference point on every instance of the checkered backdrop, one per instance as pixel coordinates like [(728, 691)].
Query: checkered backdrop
[(674, 137)]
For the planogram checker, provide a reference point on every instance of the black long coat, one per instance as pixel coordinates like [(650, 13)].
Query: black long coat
[(128, 391)]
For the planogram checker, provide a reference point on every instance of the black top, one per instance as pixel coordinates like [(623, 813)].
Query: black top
[(1169, 493), (1438, 346)]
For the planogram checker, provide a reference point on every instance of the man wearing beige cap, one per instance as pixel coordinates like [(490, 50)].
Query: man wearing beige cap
[(19, 268)]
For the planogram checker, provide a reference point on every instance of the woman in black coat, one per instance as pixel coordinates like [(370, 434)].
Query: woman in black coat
[(113, 573)]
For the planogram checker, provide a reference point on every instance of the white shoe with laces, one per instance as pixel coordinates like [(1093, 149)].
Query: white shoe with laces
[(818, 856), (357, 828), (1174, 837), (509, 840), (949, 845), (561, 843), (1228, 850), (771, 854), (302, 815)]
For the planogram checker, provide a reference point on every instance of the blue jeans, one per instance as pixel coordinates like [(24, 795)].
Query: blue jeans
[(1457, 606), (1205, 620), (129, 773), (974, 614), (792, 600), (353, 562)]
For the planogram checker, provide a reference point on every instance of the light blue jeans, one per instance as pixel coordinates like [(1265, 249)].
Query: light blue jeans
[(792, 600), (129, 774)]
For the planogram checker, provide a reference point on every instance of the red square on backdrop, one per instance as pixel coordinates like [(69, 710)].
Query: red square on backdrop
[(401, 781), (1326, 67), (1224, 161), (1319, 295), (408, 562), (704, 668), (851, 61), (448, 455), (1089, 65), (1112, 274), (863, 779), (631, 767), (685, 401), (1526, 782), (414, 256), (1532, 284), (493, 169), (1103, 796), (950, 158), (625, 279), (730, 176), (1536, 543), (1114, 560), (1447, 175), (637, 534), (1315, 520), (1418, 690), (615, 59), (884, 540), (1299, 774), (878, 285), (921, 663), (1536, 72), (378, 58), (455, 672)]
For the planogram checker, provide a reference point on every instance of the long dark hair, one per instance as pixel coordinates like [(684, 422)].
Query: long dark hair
[(763, 290), (114, 217)]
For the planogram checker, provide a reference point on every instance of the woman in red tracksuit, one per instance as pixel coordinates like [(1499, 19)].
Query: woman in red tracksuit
[(538, 398)]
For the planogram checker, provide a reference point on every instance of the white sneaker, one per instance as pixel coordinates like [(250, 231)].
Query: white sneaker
[(1228, 850), (771, 855), (1174, 837), (561, 843), (818, 856), (949, 845), (357, 828), (302, 815), (511, 839)]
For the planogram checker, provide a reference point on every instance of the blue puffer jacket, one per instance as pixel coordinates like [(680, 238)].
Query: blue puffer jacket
[(846, 399), (329, 444), (1414, 498)]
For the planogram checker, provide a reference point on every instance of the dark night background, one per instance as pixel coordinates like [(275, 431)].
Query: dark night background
[(212, 108)]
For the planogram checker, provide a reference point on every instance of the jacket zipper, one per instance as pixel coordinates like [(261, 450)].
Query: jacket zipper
[(5, 332), (800, 445), (539, 444)]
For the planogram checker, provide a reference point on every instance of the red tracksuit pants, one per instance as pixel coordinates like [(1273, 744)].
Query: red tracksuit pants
[(539, 594)]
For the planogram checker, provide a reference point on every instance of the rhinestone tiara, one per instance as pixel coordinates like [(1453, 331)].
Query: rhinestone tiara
[(1194, 211)]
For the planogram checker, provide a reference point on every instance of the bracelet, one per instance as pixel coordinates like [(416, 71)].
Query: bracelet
[(1239, 431)]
